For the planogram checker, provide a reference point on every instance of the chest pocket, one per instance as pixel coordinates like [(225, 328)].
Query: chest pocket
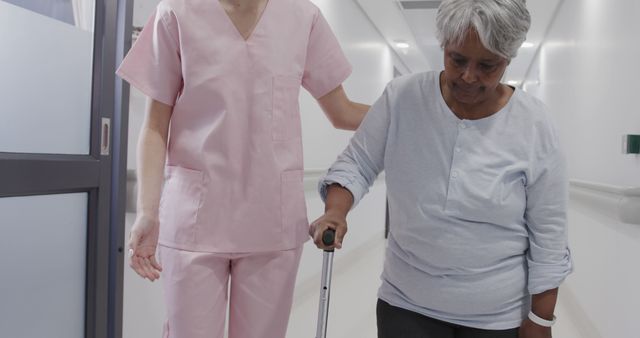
[(488, 195), (285, 117)]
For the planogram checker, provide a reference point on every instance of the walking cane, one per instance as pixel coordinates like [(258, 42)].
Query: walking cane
[(325, 286)]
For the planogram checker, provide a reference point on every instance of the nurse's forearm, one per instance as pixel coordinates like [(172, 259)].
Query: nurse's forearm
[(152, 146), (339, 200), (347, 115), (342, 112), (151, 153), (356, 114)]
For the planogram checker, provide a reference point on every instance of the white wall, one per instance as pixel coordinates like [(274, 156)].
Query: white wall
[(587, 72), (589, 76), (372, 68), (372, 64)]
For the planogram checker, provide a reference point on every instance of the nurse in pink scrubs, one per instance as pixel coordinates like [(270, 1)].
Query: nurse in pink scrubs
[(220, 156)]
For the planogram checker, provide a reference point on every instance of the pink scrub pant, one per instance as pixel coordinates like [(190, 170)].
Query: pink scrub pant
[(196, 293)]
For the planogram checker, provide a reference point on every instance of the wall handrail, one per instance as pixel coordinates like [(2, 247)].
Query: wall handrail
[(622, 203), (602, 187)]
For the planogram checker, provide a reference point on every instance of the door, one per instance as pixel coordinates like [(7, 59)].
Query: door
[(62, 167)]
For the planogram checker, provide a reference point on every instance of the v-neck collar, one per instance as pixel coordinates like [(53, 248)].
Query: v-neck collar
[(233, 25)]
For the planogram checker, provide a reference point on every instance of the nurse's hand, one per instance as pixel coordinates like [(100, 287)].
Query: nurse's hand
[(143, 241), (329, 220)]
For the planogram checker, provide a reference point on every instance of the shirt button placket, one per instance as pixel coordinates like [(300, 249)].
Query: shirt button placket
[(454, 173)]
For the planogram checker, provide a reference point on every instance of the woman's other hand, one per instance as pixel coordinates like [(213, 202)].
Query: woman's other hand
[(143, 241), (529, 329), (329, 220)]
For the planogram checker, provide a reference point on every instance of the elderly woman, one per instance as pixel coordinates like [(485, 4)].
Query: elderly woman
[(476, 187)]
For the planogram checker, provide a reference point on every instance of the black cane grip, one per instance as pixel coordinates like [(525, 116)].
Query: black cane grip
[(328, 236)]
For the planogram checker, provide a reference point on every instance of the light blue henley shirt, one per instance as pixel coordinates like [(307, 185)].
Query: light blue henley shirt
[(477, 208)]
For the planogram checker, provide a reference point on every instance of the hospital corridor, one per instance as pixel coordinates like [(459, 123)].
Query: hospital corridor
[(169, 168)]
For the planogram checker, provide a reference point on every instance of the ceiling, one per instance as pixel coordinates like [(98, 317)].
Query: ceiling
[(413, 22)]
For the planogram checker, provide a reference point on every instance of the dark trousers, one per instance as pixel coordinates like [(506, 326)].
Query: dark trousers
[(395, 322)]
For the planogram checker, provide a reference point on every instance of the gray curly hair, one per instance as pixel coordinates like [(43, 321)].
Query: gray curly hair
[(502, 25)]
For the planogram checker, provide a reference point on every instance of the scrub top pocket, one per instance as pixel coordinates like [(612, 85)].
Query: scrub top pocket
[(179, 206), (285, 116)]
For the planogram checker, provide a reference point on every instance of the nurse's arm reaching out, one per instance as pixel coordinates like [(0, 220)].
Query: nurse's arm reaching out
[(342, 112), (152, 147), (338, 203)]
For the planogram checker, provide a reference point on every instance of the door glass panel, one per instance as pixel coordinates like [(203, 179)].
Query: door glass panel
[(43, 260), (46, 75)]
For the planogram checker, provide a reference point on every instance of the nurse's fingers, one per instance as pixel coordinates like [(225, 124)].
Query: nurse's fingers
[(134, 241), (155, 264), (133, 264), (151, 273), (134, 259), (136, 265)]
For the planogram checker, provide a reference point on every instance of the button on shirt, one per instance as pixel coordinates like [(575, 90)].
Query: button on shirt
[(234, 161), (477, 208)]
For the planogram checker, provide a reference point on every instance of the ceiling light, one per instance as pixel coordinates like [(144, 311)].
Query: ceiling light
[(402, 44), (527, 44), (513, 82)]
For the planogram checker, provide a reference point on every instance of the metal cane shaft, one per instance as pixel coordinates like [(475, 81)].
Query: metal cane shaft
[(325, 288), (328, 238)]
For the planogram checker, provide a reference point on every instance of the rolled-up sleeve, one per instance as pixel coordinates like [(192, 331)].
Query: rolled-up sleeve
[(548, 257), (358, 166)]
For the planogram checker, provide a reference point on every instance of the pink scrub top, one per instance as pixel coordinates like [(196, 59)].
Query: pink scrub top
[(234, 171)]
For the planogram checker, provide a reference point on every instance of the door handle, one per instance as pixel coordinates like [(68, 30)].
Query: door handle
[(105, 138)]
